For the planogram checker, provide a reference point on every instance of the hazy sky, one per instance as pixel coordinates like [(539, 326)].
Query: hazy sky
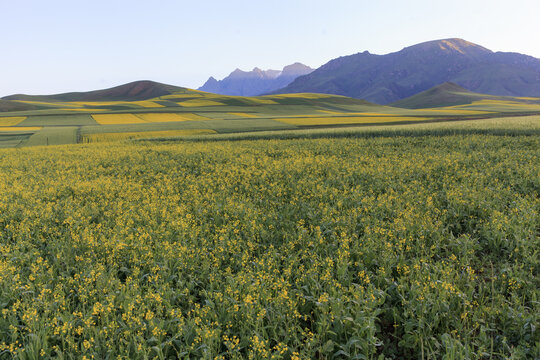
[(59, 45)]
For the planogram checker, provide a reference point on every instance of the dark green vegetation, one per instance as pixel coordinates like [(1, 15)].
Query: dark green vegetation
[(387, 78), (391, 247), (6, 106), (450, 94)]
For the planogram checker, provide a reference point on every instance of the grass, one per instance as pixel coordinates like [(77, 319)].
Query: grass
[(199, 103), (341, 120), (53, 136), (10, 140), (510, 126), (108, 137)]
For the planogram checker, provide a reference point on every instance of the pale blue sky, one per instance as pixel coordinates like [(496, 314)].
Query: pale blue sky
[(59, 45)]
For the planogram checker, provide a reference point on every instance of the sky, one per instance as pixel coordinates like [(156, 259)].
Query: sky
[(58, 46)]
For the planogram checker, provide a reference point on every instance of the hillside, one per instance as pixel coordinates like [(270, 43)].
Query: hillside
[(255, 82), (6, 105), (450, 94), (137, 90), (388, 78)]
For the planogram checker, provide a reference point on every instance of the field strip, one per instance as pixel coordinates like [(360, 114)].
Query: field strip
[(199, 103), (262, 101), (338, 120), (147, 104), (20, 128), (11, 121), (246, 115), (107, 137), (117, 119), (88, 110), (170, 117)]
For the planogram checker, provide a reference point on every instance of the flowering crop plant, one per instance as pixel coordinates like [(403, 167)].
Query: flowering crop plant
[(398, 247)]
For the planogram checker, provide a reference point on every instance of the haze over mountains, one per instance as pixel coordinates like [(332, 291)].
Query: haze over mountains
[(255, 82), (381, 79), (387, 78)]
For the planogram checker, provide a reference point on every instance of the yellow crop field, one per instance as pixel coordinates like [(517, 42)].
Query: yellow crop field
[(117, 119), (450, 111), (199, 103), (262, 101), (179, 96), (147, 104), (170, 117), (241, 114), (19, 128), (407, 245), (368, 114), (303, 96), (331, 112), (12, 120), (339, 120), (108, 137)]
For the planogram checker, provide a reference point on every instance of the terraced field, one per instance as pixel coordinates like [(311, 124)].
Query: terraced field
[(63, 122)]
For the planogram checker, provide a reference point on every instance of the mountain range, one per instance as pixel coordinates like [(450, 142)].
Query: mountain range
[(256, 81), (452, 67), (384, 79)]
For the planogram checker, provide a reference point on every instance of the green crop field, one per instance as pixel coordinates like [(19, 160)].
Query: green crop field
[(404, 242)]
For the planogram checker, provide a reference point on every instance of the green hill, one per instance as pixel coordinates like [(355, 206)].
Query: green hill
[(137, 90), (6, 105), (450, 94)]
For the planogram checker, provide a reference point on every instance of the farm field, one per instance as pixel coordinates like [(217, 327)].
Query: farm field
[(188, 109), (412, 241)]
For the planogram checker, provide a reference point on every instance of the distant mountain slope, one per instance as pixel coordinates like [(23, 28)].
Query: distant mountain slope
[(447, 94), (450, 94), (387, 78), (138, 90), (16, 106), (255, 82)]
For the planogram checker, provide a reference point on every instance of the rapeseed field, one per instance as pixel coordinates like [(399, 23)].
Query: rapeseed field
[(117, 119), (404, 247), (11, 120)]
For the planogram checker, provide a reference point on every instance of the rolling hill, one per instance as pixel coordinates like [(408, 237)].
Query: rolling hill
[(134, 91), (255, 82), (388, 78), (450, 94)]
